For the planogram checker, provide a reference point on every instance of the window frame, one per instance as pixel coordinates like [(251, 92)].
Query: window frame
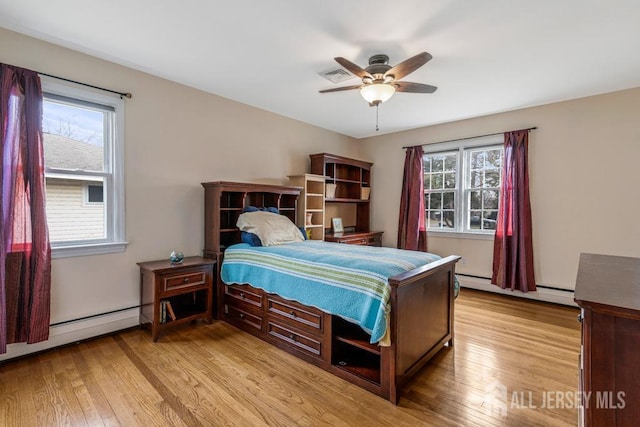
[(461, 199), (112, 177)]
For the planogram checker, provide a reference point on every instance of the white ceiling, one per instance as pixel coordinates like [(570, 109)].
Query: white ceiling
[(488, 56)]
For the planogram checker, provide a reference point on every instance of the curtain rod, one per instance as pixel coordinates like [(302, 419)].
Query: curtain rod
[(122, 94), (469, 137)]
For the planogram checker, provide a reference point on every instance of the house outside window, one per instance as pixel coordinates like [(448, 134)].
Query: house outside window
[(462, 182), (83, 146)]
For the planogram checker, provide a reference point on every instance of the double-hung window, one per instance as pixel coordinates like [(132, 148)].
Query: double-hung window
[(83, 156), (462, 182)]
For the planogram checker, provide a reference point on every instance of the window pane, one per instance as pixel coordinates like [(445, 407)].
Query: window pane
[(437, 164), (489, 220), (450, 162), (475, 220), (437, 181), (68, 216), (448, 219), (448, 200), (494, 159), (426, 164), (449, 180), (490, 199), (433, 219), (476, 180), (475, 200), (73, 136), (435, 201), (491, 179), (427, 181), (477, 159)]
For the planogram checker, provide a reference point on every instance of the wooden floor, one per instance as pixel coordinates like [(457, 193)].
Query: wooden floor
[(509, 355)]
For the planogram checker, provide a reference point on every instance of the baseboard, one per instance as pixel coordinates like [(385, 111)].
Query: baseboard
[(557, 296), (75, 331)]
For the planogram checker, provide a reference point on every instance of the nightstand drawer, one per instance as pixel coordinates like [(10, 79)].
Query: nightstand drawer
[(360, 241), (373, 238), (195, 278)]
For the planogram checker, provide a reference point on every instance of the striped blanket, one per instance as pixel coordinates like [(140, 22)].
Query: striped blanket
[(345, 280)]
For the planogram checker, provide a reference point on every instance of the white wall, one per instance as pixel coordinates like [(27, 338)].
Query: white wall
[(175, 138), (584, 178)]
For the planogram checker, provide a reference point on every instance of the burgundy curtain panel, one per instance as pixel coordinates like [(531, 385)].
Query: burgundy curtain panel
[(412, 233), (513, 247), (25, 252)]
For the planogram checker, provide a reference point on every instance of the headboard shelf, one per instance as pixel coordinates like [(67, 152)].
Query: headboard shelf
[(224, 201)]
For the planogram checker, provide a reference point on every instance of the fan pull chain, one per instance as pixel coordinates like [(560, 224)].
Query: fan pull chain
[(377, 128)]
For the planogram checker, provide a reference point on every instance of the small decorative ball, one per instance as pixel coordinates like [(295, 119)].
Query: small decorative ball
[(176, 257)]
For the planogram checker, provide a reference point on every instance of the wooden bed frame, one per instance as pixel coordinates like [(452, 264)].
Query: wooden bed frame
[(421, 321)]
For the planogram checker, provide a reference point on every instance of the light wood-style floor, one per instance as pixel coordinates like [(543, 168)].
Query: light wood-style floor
[(509, 355)]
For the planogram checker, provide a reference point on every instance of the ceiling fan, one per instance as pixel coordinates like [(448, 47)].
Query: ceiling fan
[(380, 80)]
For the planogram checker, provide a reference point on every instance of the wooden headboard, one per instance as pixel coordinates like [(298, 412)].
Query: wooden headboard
[(224, 202)]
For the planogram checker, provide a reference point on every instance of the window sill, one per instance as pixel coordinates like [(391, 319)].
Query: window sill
[(461, 235), (88, 249)]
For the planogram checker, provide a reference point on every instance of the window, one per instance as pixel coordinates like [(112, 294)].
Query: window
[(462, 185), (82, 132), (95, 193)]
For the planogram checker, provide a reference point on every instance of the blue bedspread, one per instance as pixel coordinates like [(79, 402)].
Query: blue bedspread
[(346, 280)]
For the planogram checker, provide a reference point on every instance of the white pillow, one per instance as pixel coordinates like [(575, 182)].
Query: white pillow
[(272, 229)]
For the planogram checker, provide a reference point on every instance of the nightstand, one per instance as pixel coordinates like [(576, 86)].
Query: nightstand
[(173, 294)]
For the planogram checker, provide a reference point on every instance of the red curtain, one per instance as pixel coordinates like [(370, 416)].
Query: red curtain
[(513, 247), (25, 252), (412, 233)]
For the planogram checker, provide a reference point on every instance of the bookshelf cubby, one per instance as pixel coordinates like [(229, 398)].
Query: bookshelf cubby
[(351, 200), (311, 204)]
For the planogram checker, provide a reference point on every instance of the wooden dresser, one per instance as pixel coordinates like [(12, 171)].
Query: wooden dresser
[(608, 291), (371, 238)]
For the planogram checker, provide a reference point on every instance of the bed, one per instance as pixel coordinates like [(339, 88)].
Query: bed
[(401, 329)]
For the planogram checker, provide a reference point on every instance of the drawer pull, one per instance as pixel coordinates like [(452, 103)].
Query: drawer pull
[(580, 318), (292, 337), (242, 316), (242, 295), (185, 280), (292, 313)]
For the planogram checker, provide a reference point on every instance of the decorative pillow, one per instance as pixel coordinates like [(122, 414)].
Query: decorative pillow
[(256, 209), (304, 233), (250, 238), (271, 228)]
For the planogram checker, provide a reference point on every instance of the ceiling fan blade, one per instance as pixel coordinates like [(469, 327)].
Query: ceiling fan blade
[(338, 89), (414, 87), (408, 66), (358, 71)]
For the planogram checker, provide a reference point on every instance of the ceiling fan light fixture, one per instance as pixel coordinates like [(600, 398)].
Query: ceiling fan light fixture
[(377, 93)]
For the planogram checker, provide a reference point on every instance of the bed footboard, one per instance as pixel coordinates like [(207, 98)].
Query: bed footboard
[(422, 319)]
